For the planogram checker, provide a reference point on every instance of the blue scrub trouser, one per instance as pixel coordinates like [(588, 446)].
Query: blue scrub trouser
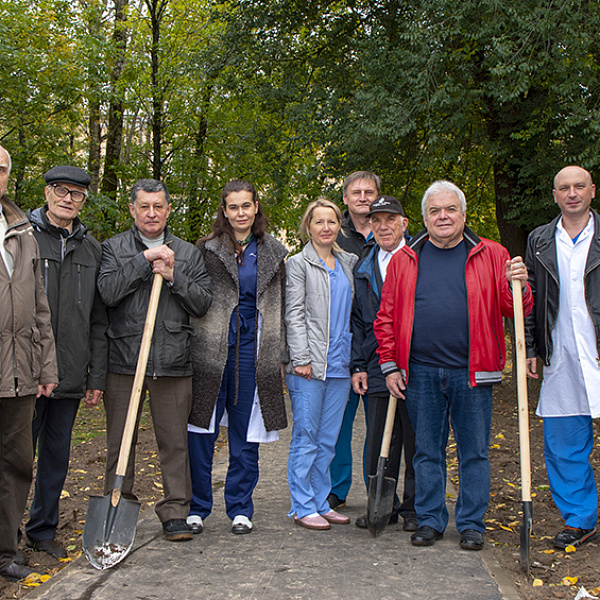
[(318, 408), (242, 473), (52, 424), (568, 443), (341, 466)]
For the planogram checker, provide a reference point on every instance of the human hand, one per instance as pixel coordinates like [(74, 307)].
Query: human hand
[(516, 270), (359, 383), (532, 368), (92, 398), (303, 371), (395, 384)]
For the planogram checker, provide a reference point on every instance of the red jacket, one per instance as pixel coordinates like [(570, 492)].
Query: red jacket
[(489, 298)]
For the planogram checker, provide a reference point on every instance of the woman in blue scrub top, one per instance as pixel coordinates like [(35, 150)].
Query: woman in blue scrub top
[(237, 352), (319, 290)]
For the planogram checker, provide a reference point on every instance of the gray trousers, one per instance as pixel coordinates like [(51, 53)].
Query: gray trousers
[(16, 469), (170, 405)]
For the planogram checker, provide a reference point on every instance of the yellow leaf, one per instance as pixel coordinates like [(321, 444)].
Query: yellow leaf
[(506, 528), (511, 484), (596, 591), (569, 580), (65, 494), (548, 551), (495, 446), (570, 549), (158, 485), (537, 583), (500, 436)]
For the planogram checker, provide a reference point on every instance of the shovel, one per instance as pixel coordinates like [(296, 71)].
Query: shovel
[(380, 502), (111, 520), (524, 449)]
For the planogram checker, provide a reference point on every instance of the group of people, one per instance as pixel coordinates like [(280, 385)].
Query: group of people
[(362, 312)]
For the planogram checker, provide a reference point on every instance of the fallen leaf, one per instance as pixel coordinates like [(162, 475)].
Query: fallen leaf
[(548, 551), (569, 580), (570, 549), (160, 485), (538, 583), (65, 494)]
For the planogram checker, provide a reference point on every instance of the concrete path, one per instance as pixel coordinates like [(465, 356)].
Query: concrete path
[(280, 561)]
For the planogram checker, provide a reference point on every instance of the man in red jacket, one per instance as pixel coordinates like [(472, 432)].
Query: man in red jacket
[(441, 347)]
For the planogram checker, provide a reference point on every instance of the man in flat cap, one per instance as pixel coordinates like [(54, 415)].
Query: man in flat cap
[(27, 367), (70, 263)]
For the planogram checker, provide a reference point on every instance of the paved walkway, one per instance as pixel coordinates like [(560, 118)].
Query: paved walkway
[(280, 561)]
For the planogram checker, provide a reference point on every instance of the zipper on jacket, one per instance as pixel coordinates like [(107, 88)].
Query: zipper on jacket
[(79, 283), (46, 276)]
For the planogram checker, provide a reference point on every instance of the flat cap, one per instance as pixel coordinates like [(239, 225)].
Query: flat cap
[(68, 174), (387, 204)]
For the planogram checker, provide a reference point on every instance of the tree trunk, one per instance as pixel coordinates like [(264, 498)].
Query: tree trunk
[(114, 134)]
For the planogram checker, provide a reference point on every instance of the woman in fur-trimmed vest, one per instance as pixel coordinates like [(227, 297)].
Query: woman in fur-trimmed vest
[(237, 354)]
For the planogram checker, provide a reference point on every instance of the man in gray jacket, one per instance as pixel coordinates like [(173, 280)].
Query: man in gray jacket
[(129, 260), (70, 259), (27, 366)]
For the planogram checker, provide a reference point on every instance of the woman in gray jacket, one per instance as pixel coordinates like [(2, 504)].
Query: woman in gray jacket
[(319, 290)]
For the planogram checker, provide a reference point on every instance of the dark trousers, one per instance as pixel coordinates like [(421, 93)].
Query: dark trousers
[(242, 474), (16, 465), (403, 436), (52, 425), (170, 405)]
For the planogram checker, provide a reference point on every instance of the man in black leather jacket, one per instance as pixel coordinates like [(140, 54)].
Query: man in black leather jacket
[(129, 260), (563, 260)]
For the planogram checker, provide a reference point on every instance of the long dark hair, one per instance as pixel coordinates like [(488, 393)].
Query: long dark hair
[(222, 227)]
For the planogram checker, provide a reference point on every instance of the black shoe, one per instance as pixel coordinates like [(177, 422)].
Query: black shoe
[(410, 523), (48, 546), (20, 557), (574, 536), (361, 522), (393, 519), (177, 530), (334, 502), (15, 572), (471, 539), (425, 536)]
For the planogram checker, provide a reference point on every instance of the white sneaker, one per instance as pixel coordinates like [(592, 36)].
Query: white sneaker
[(195, 523), (241, 525)]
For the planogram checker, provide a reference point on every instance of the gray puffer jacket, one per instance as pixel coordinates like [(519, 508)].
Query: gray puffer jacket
[(307, 299)]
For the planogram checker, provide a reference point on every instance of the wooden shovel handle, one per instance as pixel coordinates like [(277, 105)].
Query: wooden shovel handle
[(523, 404), (389, 427), (138, 381)]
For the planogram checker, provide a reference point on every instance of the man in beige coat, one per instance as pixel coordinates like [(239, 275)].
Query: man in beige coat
[(27, 366)]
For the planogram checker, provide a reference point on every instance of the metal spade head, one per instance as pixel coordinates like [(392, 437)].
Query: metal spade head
[(109, 530)]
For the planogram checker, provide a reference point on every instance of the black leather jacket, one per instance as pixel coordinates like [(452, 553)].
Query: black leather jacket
[(125, 282), (542, 265)]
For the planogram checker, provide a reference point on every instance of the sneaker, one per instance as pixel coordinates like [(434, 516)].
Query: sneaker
[(177, 530), (574, 536), (334, 502)]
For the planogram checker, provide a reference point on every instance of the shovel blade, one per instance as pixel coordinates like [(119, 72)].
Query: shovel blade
[(380, 502), (109, 530), (525, 536)]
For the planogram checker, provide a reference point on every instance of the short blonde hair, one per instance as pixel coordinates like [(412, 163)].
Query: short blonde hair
[(308, 216)]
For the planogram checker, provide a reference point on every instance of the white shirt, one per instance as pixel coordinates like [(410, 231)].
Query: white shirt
[(384, 258), (6, 256), (571, 384)]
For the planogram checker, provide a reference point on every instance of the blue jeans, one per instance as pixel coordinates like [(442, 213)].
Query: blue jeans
[(436, 398), (568, 443), (341, 465), (318, 408)]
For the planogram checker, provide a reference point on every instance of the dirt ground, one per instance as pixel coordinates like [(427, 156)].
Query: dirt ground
[(549, 568)]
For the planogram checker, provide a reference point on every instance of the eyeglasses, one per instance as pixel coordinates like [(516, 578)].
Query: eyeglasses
[(61, 191)]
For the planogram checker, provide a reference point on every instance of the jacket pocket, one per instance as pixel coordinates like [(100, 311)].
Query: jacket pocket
[(174, 349), (35, 354), (124, 347)]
